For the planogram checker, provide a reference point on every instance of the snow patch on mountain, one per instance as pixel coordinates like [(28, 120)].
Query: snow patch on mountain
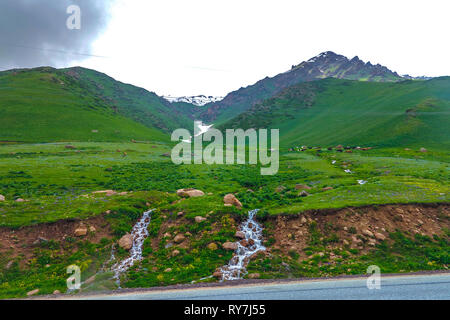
[(200, 100)]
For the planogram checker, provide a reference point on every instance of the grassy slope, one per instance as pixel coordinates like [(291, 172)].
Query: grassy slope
[(189, 111), (133, 102), (44, 104), (332, 111), (52, 177)]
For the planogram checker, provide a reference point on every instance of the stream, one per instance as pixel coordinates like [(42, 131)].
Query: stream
[(138, 234), (236, 268)]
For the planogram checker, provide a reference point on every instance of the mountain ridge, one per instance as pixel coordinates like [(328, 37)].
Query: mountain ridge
[(324, 65), (338, 111)]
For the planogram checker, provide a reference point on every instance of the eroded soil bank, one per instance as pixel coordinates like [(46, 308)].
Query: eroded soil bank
[(22, 242), (181, 249), (360, 228)]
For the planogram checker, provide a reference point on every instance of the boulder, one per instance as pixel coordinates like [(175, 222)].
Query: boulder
[(175, 253), (280, 189), (327, 188), (190, 193), (2, 198), (303, 194), (244, 243), (179, 238), (368, 233), (199, 219), (126, 242), (33, 292), (92, 229), (380, 236), (423, 150), (56, 292), (168, 270), (230, 245), (302, 187), (356, 240), (218, 274), (240, 235), (254, 276), (20, 200), (40, 240), (108, 193), (231, 199), (80, 231)]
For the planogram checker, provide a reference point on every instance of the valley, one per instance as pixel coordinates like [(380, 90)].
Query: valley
[(86, 179), (59, 192)]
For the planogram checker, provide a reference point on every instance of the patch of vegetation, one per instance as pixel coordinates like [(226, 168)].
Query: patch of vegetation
[(399, 254)]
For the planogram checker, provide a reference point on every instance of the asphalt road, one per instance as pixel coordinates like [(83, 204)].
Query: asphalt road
[(421, 287)]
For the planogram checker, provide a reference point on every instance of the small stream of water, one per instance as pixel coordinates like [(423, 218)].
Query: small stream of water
[(236, 268), (138, 234)]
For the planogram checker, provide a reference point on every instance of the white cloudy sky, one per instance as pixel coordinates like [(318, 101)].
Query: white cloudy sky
[(189, 47)]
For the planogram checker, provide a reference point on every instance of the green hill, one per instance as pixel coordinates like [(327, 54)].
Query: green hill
[(133, 102), (46, 104), (334, 111)]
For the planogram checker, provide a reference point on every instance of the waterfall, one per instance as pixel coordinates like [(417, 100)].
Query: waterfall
[(138, 234), (236, 268)]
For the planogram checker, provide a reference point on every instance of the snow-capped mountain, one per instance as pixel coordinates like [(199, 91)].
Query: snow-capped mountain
[(407, 76), (200, 100)]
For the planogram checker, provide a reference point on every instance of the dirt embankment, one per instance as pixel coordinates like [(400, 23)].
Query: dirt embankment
[(23, 241), (171, 227), (359, 227)]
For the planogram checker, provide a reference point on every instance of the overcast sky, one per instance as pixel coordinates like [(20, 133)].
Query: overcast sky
[(190, 47)]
